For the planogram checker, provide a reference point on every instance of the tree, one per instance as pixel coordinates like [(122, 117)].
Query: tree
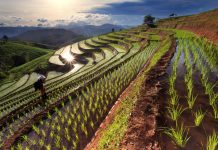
[(149, 20), (5, 38), (113, 30), (172, 15)]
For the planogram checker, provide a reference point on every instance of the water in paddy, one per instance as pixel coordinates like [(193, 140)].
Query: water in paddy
[(198, 135)]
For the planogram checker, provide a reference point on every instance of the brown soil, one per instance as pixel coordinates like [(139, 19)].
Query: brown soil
[(141, 132)]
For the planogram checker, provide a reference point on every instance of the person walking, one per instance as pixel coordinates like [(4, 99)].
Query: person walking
[(38, 85)]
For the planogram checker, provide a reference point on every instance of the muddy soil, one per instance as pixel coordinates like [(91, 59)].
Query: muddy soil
[(141, 132)]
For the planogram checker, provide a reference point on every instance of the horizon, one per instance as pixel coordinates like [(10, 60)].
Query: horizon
[(56, 13)]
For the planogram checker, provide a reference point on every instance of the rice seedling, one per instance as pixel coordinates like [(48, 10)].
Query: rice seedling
[(213, 98), (175, 112), (179, 135), (215, 111), (212, 141), (36, 129), (191, 101), (48, 147), (174, 99), (199, 116)]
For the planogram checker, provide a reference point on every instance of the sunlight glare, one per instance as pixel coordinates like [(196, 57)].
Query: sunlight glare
[(68, 57)]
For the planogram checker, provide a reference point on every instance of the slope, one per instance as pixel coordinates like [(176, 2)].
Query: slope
[(204, 24), (14, 54)]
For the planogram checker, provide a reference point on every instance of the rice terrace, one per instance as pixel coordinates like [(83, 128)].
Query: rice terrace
[(151, 86)]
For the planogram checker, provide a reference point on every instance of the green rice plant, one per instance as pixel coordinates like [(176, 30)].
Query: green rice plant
[(57, 141), (58, 128), (199, 116), (174, 112), (213, 97), (179, 135), (64, 148), (75, 144), (43, 133), (41, 142), (174, 99), (209, 87), (191, 101), (215, 111), (51, 134), (36, 129), (27, 148), (212, 141), (48, 147), (19, 146)]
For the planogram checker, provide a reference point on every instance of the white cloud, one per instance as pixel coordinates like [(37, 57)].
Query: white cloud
[(89, 18), (56, 12)]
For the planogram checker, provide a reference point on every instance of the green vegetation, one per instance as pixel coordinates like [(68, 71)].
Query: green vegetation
[(109, 138), (14, 54), (212, 141), (179, 135), (102, 68), (197, 56), (116, 64), (199, 116)]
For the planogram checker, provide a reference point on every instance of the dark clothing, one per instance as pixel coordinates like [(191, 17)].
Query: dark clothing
[(38, 85)]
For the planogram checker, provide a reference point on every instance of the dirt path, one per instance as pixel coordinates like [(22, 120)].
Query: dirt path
[(141, 132)]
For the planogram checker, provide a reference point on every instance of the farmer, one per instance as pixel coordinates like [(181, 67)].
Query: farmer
[(38, 85)]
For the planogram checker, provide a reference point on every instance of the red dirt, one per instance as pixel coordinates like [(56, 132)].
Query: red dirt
[(141, 132)]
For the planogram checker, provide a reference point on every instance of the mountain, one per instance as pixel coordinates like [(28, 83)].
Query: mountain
[(52, 37), (14, 31), (91, 30), (13, 54), (204, 24)]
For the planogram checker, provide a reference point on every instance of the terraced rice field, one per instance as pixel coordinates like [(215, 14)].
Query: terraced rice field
[(98, 70), (95, 63), (190, 109)]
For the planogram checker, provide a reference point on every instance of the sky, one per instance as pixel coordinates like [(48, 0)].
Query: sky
[(52, 13)]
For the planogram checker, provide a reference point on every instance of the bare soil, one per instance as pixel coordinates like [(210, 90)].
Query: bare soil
[(141, 132)]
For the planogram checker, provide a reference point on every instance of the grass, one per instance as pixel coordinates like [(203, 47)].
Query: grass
[(179, 135)]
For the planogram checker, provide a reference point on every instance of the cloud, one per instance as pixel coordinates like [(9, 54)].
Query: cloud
[(2, 24), (95, 12), (90, 18), (42, 20), (39, 25), (16, 18)]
